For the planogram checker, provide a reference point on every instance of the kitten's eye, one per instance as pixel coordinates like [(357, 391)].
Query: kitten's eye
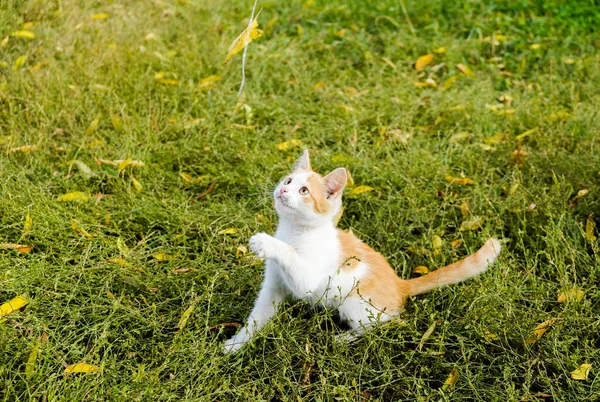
[(287, 181), (304, 191)]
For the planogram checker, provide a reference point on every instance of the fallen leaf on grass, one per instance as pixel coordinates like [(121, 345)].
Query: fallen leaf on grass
[(27, 226), (465, 70), (489, 336), (12, 306), (123, 263), (423, 61), (428, 83), (186, 315), (19, 247), (75, 196), (123, 164), (451, 380), (82, 368), (84, 169), (460, 181), (228, 231), (181, 270), (19, 61), (289, 144), (92, 127), (80, 230), (248, 35), (137, 185), (449, 82), (359, 190), (426, 335), (241, 251), (582, 372), (25, 149), (440, 50), (209, 82), (190, 179), (30, 365), (160, 78), (421, 269), (518, 156), (472, 224), (23, 34), (163, 257), (456, 243), (100, 16), (525, 134), (539, 331), (590, 226), (464, 209), (571, 295), (437, 243)]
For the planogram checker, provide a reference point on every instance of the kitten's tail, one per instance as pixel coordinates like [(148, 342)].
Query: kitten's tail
[(457, 272)]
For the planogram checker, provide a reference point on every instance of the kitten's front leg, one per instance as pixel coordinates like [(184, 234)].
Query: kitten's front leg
[(268, 247)]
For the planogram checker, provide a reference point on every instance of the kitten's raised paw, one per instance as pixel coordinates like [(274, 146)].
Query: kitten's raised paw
[(263, 245), (234, 344)]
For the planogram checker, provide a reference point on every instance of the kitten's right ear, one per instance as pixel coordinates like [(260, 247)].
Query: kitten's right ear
[(335, 182), (303, 163)]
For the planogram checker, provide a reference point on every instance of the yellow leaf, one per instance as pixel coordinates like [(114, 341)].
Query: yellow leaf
[(449, 82), (162, 257), (582, 372), (241, 251), (539, 331), (123, 164), (571, 295), (437, 243), (78, 196), (428, 83), (359, 190), (590, 226), (451, 380), (27, 226), (25, 149), (228, 231), (472, 224), (80, 230), (23, 34), (581, 193), (101, 16), (464, 209), (121, 261), (421, 269), (92, 127), (30, 365), (423, 61), (244, 39), (299, 29), (117, 123), (426, 336), (190, 179), (19, 247), (456, 243), (465, 70), (440, 50), (186, 315), (488, 336), (495, 139), (289, 144), (3, 64), (526, 133), (209, 82), (122, 246), (138, 186), (12, 306), (4, 41), (82, 368), (84, 169), (455, 180), (535, 46)]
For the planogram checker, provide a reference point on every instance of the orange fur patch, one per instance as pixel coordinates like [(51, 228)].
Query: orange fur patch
[(318, 193)]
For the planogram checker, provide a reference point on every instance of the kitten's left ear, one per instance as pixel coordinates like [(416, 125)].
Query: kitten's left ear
[(335, 182), (304, 162)]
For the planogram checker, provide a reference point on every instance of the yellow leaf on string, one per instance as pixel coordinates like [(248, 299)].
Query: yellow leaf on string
[(289, 144), (228, 231), (360, 190), (423, 61), (421, 269), (23, 34), (12, 306), (590, 226), (465, 70), (82, 368), (582, 372), (21, 248), (25, 149), (248, 35), (451, 380), (461, 181), (537, 333), (138, 186), (74, 196), (100, 16), (571, 295)]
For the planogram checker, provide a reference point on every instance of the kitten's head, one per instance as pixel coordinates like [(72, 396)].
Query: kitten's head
[(306, 196)]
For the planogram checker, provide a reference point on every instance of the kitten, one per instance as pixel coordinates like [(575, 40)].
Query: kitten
[(309, 259)]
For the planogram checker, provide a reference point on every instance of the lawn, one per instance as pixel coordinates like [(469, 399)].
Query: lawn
[(136, 173)]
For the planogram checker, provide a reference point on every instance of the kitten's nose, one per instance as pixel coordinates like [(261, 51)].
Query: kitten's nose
[(283, 190)]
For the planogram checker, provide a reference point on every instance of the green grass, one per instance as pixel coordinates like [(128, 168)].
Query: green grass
[(79, 69)]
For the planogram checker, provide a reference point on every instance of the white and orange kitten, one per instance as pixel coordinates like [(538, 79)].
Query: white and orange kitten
[(310, 259)]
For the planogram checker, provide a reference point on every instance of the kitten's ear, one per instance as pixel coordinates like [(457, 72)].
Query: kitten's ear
[(303, 163), (335, 182)]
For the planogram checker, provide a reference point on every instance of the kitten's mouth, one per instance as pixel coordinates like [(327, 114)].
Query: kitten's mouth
[(283, 201)]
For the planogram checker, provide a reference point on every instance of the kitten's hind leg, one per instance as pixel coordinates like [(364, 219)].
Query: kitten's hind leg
[(361, 315)]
